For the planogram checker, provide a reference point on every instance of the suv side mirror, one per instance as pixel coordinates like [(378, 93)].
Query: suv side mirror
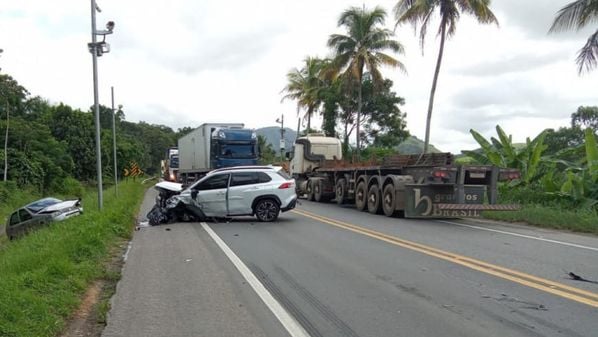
[(194, 194), (288, 155)]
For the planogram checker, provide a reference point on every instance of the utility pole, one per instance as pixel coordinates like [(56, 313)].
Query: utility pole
[(6, 143), (114, 143), (96, 107), (98, 49), (282, 142)]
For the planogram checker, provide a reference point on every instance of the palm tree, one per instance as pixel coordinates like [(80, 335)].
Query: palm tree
[(364, 46), (304, 85), (420, 12), (577, 15)]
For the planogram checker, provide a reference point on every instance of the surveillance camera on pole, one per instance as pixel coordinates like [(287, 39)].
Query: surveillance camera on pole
[(98, 49)]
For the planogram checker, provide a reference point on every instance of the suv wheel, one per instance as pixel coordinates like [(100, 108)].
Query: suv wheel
[(267, 210)]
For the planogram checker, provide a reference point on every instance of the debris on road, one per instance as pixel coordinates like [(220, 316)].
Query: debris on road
[(576, 277)]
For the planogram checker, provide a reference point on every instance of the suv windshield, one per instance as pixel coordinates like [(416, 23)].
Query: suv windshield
[(283, 174)]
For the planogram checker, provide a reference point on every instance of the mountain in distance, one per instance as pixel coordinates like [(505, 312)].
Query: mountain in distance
[(272, 135), (411, 145), (414, 145)]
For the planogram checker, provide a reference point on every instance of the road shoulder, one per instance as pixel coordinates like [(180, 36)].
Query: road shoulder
[(176, 282)]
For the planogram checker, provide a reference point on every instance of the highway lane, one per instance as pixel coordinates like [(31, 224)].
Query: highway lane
[(551, 260), (337, 280)]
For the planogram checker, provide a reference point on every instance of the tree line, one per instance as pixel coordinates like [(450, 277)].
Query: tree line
[(48, 145)]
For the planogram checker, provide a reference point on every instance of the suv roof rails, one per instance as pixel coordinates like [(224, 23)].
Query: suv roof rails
[(244, 168)]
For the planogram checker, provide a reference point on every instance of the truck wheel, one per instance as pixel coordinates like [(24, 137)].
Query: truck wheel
[(388, 200), (310, 190), (361, 195), (267, 210), (318, 193), (374, 204), (341, 191)]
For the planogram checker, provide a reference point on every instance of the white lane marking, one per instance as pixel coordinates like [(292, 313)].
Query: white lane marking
[(288, 322), (521, 235), (128, 250)]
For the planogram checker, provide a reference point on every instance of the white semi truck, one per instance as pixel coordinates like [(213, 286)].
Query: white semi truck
[(414, 186)]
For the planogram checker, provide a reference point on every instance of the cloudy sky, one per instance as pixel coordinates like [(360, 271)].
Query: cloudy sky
[(184, 62)]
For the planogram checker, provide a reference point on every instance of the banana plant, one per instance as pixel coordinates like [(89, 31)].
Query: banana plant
[(581, 183), (503, 153)]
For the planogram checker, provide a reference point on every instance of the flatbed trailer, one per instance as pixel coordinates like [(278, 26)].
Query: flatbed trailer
[(413, 186)]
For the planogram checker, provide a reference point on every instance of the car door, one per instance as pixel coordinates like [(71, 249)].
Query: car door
[(241, 192), (211, 195)]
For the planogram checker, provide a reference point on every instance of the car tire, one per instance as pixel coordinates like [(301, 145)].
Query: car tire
[(374, 204), (361, 195), (388, 200), (267, 210), (341, 191)]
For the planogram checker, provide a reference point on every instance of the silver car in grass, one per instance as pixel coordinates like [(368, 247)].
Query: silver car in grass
[(40, 213), (263, 191)]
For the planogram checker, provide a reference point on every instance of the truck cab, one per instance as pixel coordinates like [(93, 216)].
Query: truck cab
[(310, 151), (233, 147)]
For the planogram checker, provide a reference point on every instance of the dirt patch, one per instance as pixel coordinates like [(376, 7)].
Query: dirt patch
[(90, 318), (84, 321)]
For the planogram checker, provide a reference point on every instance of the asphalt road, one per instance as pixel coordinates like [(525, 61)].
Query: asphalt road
[(340, 272)]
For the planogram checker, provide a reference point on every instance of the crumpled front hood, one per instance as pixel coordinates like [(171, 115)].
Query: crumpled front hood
[(59, 206), (169, 186)]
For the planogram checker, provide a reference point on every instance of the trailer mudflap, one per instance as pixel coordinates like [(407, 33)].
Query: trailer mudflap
[(442, 201), (468, 210)]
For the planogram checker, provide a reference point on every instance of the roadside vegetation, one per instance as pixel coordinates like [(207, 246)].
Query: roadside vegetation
[(44, 274), (558, 187)]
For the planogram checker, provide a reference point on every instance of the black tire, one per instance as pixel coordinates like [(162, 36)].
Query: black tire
[(361, 196), (374, 204), (341, 191), (388, 200), (310, 190), (267, 210), (319, 191)]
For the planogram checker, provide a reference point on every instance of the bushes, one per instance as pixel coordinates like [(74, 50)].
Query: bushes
[(70, 187), (550, 210)]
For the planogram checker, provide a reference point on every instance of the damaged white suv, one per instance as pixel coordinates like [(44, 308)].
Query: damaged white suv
[(263, 191)]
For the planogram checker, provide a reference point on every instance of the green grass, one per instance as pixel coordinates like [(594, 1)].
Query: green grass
[(585, 221), (44, 274)]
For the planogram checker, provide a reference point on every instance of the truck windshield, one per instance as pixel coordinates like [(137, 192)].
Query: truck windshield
[(237, 151)]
